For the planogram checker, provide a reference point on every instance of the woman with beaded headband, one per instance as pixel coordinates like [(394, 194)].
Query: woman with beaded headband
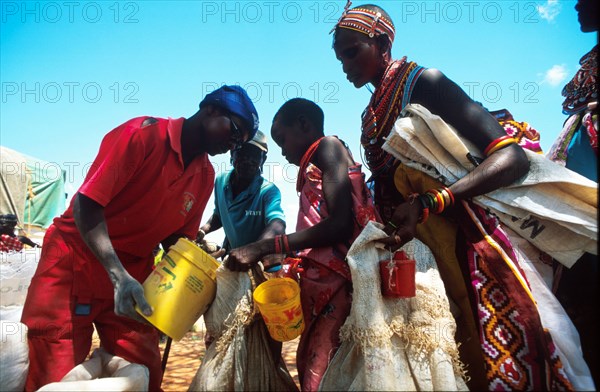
[(472, 250)]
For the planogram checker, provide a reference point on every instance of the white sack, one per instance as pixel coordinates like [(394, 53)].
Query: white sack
[(14, 355), (240, 357), (552, 207), (391, 344)]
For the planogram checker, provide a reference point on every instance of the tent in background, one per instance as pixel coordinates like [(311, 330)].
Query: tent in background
[(31, 188)]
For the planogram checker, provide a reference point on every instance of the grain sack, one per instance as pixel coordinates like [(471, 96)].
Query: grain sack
[(103, 372), (552, 207), (240, 358), (395, 344), (16, 271), (14, 355)]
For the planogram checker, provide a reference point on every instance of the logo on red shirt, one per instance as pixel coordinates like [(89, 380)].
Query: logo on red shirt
[(188, 202)]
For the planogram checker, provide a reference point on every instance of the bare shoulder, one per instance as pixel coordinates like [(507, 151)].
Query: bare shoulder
[(432, 82), (332, 151), (432, 76)]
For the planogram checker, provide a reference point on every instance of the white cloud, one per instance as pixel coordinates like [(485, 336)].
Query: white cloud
[(550, 10), (555, 75)]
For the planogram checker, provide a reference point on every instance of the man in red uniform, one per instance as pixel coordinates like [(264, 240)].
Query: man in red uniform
[(149, 183)]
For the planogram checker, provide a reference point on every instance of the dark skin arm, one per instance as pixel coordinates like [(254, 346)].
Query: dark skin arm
[(170, 241), (446, 99), (275, 227), (333, 160), (27, 241), (90, 221), (213, 224)]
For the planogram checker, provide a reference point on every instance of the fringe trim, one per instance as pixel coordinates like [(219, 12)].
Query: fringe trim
[(243, 316), (421, 345), (366, 337)]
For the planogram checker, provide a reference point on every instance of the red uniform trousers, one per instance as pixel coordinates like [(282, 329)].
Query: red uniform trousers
[(61, 323)]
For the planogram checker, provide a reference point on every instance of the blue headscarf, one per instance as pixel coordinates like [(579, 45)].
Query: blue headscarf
[(235, 100)]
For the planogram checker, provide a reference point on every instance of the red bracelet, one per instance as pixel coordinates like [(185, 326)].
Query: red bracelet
[(494, 143), (286, 244), (424, 216), (277, 244)]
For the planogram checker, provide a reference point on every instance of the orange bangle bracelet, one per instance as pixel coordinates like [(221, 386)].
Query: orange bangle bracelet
[(494, 143), (500, 145)]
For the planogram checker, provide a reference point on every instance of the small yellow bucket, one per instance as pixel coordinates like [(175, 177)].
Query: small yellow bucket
[(278, 301), (181, 288)]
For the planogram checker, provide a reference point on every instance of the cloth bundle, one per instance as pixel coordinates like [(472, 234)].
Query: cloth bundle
[(390, 343), (552, 207), (241, 357)]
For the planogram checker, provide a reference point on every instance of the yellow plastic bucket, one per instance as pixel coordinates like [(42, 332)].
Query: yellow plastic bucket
[(278, 301), (180, 288)]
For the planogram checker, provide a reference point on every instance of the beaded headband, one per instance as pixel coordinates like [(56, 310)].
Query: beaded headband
[(365, 21)]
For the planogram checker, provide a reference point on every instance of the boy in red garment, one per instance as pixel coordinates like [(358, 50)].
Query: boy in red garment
[(335, 205), (149, 183)]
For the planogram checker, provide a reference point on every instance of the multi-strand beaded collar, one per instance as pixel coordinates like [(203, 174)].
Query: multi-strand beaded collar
[(383, 110), (582, 89)]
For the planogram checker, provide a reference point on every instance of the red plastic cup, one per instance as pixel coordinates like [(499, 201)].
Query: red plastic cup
[(398, 276)]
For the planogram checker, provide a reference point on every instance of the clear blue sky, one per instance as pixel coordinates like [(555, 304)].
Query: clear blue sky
[(73, 70)]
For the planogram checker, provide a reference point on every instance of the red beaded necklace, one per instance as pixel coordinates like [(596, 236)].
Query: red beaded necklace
[(380, 115)]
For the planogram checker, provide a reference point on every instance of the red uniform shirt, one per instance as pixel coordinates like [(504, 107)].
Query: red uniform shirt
[(139, 178)]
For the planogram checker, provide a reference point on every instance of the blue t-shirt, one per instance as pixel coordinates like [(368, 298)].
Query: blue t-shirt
[(245, 217)]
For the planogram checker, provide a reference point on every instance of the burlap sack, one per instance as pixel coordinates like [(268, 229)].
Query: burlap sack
[(552, 207), (391, 344), (14, 355), (240, 358)]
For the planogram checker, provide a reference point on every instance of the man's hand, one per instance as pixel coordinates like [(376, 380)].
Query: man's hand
[(218, 253), (211, 248), (128, 293), (243, 258), (200, 236)]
